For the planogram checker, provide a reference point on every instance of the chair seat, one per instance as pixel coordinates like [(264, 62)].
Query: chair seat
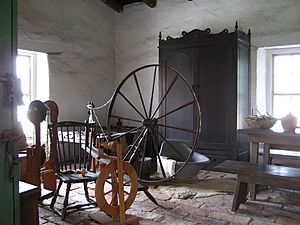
[(75, 177)]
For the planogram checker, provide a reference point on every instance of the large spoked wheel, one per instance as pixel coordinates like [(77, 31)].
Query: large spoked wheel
[(107, 188), (155, 105)]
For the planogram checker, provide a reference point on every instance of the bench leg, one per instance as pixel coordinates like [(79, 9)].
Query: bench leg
[(240, 194), (252, 190)]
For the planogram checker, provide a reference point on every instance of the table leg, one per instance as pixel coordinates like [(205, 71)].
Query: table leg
[(266, 154), (253, 159), (253, 152)]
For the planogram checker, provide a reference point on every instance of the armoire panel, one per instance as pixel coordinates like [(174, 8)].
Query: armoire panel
[(213, 95), (182, 61)]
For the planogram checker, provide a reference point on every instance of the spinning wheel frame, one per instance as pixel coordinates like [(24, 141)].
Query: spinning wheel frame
[(153, 127)]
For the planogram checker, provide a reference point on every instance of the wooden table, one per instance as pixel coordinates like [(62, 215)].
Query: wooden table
[(29, 197), (269, 139)]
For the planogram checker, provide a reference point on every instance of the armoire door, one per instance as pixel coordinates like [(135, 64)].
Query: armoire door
[(214, 89), (182, 60), (9, 203)]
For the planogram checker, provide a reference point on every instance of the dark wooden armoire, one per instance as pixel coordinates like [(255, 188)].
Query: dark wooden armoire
[(217, 66)]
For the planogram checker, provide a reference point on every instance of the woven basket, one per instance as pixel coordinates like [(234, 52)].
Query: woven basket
[(260, 122)]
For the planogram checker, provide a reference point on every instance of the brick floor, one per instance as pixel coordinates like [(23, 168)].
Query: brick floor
[(273, 207)]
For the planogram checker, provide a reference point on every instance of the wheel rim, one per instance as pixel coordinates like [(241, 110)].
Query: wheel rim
[(143, 104), (106, 191)]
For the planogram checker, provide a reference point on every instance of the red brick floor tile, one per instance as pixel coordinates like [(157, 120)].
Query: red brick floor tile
[(175, 221), (273, 208), (287, 221), (205, 220), (251, 206), (261, 222), (231, 217)]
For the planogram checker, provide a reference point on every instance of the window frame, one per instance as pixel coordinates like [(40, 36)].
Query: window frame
[(39, 70), (271, 52)]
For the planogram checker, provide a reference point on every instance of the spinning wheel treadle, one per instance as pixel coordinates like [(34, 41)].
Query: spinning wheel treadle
[(153, 114)]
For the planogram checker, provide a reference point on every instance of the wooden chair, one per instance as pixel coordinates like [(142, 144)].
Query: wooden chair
[(71, 142)]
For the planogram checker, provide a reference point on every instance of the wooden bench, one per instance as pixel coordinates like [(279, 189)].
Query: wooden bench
[(269, 175)]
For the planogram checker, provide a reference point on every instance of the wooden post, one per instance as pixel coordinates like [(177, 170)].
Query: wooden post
[(34, 153), (48, 174), (120, 170)]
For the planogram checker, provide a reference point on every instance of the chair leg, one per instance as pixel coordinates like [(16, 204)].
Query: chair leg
[(64, 209), (56, 193), (86, 192)]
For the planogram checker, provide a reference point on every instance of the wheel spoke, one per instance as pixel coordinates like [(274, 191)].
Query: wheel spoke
[(172, 146), (175, 110), (127, 182), (140, 94), (127, 100), (108, 192), (178, 128), (157, 153), (125, 118), (152, 92), (108, 181), (165, 95)]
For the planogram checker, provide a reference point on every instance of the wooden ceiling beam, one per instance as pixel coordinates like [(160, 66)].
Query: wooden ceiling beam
[(114, 5), (118, 5), (150, 3)]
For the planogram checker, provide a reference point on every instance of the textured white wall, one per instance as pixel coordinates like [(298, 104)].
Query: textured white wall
[(99, 47), (80, 34), (272, 22)]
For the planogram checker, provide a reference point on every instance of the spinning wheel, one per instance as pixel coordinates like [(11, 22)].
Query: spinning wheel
[(117, 185), (153, 103), (107, 186)]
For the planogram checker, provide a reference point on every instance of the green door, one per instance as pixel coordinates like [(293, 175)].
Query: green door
[(9, 193)]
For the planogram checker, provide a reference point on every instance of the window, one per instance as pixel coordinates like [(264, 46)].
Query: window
[(32, 69), (286, 88), (278, 81)]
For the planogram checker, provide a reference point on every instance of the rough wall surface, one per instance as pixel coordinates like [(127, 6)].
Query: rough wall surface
[(78, 35), (93, 47), (272, 22)]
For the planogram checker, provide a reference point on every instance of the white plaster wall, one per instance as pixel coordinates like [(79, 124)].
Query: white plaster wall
[(272, 22), (78, 35), (91, 48)]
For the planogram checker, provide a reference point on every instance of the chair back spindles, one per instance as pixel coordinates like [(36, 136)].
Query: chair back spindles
[(72, 144)]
